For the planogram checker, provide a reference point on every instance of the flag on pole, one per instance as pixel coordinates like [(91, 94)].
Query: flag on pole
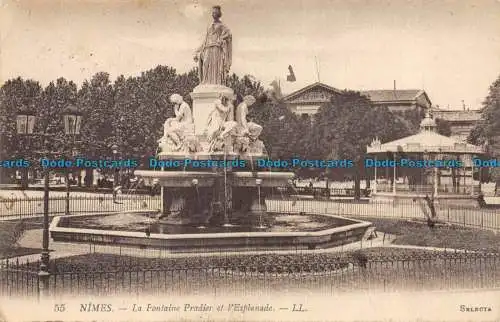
[(291, 75)]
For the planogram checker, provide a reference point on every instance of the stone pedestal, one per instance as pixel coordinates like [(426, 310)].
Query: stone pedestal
[(186, 206), (203, 102)]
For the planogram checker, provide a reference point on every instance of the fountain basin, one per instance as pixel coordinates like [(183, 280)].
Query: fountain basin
[(269, 179), (192, 239), (178, 178)]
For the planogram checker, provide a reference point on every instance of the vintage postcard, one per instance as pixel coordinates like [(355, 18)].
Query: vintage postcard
[(249, 160)]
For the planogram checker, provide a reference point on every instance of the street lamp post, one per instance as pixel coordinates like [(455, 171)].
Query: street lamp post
[(114, 149), (25, 126), (72, 122), (44, 274)]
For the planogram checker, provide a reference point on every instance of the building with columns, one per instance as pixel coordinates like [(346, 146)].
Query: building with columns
[(307, 101)]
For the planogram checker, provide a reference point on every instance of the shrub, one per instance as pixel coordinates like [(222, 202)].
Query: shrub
[(10, 234)]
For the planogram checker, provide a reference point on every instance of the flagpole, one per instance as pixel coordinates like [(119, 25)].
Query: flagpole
[(317, 69)]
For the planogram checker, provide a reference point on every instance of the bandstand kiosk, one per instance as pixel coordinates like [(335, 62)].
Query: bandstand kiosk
[(425, 145)]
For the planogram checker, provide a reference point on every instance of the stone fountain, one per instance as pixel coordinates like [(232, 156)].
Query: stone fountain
[(231, 187), (215, 130), (215, 183)]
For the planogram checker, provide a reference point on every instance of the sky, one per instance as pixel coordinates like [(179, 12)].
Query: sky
[(451, 49)]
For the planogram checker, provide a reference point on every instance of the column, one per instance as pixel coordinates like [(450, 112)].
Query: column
[(375, 175), (465, 173), (480, 178), (435, 181), (472, 178), (162, 198), (435, 178), (394, 174)]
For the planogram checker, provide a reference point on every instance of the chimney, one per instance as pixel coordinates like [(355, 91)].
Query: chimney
[(463, 104), (394, 91)]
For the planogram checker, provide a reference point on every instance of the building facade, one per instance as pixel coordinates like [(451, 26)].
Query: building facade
[(308, 100), (400, 100), (461, 121)]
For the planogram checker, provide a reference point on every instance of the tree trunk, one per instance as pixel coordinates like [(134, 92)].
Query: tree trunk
[(454, 179), (357, 181), (24, 178), (80, 178), (88, 177), (66, 175)]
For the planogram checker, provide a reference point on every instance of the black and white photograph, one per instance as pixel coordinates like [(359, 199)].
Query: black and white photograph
[(298, 160)]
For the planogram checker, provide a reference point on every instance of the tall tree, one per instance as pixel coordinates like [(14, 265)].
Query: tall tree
[(345, 127), (443, 127), (96, 101), (16, 94), (56, 97), (487, 129)]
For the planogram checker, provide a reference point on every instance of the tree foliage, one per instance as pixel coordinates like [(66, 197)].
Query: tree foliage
[(487, 130), (443, 127), (130, 112)]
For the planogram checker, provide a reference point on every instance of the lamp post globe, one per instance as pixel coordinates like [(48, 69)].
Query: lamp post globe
[(25, 120), (72, 120)]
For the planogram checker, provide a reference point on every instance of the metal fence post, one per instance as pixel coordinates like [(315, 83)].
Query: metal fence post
[(43, 284)]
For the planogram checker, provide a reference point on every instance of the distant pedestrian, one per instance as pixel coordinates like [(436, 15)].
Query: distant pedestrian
[(115, 193)]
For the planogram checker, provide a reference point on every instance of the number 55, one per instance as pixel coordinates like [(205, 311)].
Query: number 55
[(59, 308)]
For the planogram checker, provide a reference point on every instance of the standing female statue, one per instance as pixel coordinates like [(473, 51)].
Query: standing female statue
[(215, 54)]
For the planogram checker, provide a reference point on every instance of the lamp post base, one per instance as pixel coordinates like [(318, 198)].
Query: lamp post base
[(44, 275)]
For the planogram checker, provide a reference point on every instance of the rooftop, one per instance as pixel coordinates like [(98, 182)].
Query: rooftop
[(314, 85), (457, 115), (386, 95), (428, 140)]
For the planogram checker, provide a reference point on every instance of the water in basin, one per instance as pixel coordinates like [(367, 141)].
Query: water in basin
[(139, 222)]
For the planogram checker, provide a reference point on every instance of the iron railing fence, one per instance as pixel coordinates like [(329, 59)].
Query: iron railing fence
[(468, 215), (33, 207), (446, 271), (455, 211)]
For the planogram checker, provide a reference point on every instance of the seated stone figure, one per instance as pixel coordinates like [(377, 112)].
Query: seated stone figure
[(220, 124), (177, 130), (247, 132)]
